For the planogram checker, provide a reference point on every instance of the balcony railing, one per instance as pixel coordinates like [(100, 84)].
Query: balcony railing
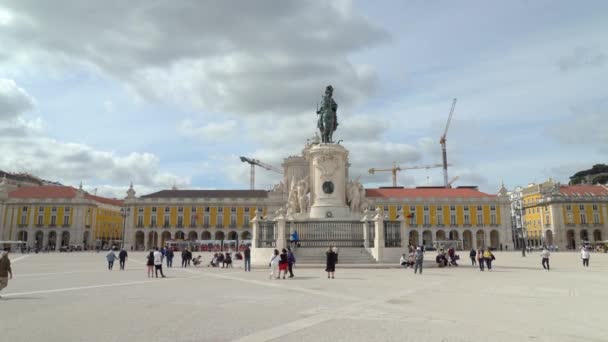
[(65, 225), (166, 225), (21, 225), (180, 226), (139, 225), (52, 225), (467, 225), (153, 225), (233, 225), (192, 225), (206, 225)]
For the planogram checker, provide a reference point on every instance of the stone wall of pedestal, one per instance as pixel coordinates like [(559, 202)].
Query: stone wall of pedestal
[(328, 164)]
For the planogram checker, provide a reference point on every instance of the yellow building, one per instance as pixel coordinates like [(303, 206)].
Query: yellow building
[(437, 215), (180, 215), (55, 216), (564, 215)]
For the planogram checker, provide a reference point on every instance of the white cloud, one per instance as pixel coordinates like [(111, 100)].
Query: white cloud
[(26, 147), (14, 101), (201, 54), (209, 131)]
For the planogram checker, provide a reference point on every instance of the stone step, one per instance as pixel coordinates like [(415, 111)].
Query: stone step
[(345, 256)]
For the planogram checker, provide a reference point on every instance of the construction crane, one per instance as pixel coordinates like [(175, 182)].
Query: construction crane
[(442, 141), (253, 162), (396, 169), (452, 181)]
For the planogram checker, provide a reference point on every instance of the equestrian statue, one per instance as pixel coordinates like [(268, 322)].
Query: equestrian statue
[(328, 120)]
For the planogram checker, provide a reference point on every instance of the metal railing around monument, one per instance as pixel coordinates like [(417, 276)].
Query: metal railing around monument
[(392, 234), (324, 234), (267, 234)]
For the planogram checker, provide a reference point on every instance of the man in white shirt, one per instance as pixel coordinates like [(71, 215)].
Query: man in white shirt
[(545, 255), (158, 262)]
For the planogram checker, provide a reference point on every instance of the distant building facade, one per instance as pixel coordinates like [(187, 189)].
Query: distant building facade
[(565, 215), (50, 216)]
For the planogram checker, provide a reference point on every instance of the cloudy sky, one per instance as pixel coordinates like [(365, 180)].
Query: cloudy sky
[(172, 92)]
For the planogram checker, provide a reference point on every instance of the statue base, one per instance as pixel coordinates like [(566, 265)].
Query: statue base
[(328, 165)]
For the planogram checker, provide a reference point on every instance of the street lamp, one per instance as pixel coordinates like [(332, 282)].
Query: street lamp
[(124, 212)]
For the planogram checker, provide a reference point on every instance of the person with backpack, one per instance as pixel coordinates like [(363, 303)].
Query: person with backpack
[(169, 255), (473, 255), (291, 259), (111, 257), (488, 257), (122, 257)]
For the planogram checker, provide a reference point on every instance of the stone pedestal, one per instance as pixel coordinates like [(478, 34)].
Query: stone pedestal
[(328, 163)]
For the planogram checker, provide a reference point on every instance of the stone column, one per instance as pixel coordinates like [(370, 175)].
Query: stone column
[(402, 229), (255, 231), (365, 228), (281, 223), (378, 249), (474, 239)]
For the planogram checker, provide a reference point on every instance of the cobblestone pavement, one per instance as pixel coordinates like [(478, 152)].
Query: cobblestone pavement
[(73, 297)]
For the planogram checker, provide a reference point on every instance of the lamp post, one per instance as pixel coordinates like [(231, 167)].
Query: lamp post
[(124, 212)]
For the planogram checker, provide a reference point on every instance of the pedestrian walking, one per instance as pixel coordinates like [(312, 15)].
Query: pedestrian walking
[(184, 258), (473, 256), (111, 257), (247, 259), (585, 256), (158, 262), (150, 264), (331, 259), (480, 259), (6, 272), (291, 259), (274, 264), (122, 257), (488, 257), (545, 256), (418, 259), (283, 263), (169, 255), (188, 257)]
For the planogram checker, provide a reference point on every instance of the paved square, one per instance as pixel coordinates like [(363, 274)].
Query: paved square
[(73, 297)]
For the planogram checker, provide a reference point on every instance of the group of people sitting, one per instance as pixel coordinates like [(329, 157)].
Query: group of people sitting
[(444, 259), (224, 259)]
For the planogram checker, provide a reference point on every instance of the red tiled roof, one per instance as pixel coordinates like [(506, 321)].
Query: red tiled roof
[(105, 200), (208, 194), (426, 192), (583, 190), (45, 191), (52, 191)]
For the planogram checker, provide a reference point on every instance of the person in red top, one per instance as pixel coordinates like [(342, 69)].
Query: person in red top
[(283, 263)]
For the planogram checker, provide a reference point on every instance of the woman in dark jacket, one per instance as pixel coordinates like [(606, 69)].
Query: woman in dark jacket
[(331, 262), (150, 264)]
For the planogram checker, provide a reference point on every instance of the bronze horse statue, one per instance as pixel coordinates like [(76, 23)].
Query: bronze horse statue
[(328, 120)]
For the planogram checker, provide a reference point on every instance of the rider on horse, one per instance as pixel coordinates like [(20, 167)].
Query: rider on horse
[(328, 120)]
